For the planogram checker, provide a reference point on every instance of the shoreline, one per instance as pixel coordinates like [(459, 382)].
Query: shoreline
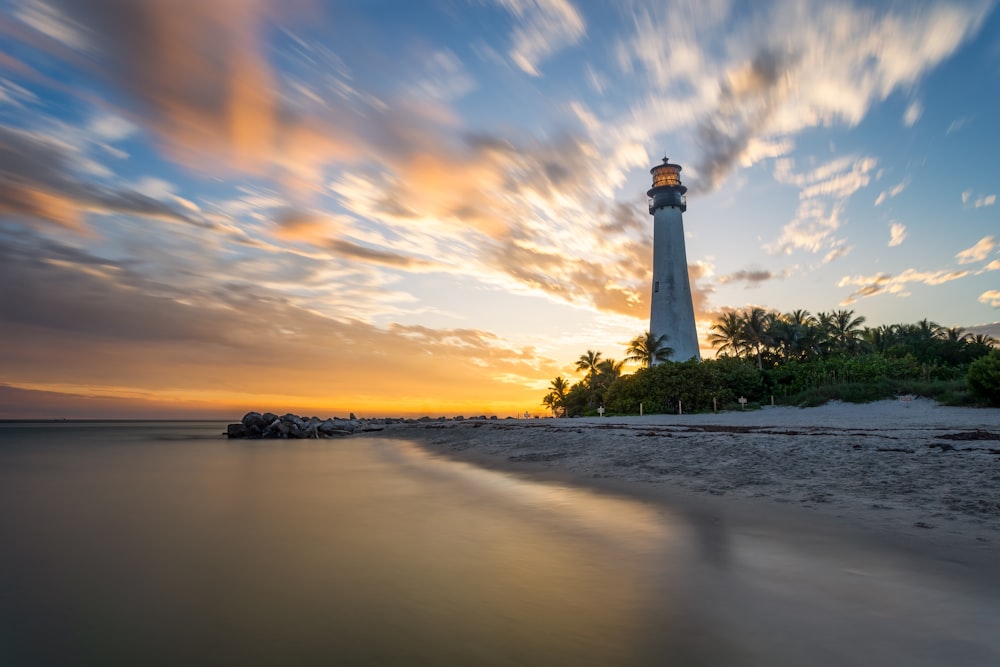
[(913, 476)]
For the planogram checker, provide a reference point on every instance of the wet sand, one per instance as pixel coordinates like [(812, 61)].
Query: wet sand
[(912, 475)]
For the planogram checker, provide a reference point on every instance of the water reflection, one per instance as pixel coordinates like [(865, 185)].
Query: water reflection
[(370, 552)]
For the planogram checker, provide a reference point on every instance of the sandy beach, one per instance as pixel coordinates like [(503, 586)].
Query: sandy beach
[(912, 469)]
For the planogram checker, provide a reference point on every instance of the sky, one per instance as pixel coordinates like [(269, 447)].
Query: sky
[(402, 208)]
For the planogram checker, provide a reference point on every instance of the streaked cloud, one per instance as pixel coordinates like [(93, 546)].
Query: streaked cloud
[(793, 66), (912, 113), (957, 124), (38, 184), (891, 192), (70, 308), (50, 21), (445, 77), (191, 184), (543, 28), (195, 73)]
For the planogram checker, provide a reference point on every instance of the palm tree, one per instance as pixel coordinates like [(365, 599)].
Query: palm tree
[(795, 332), (800, 318), (926, 329), (785, 336), (984, 340), (882, 338), (727, 333), (845, 329), (588, 362), (648, 350), (756, 326), (608, 371), (954, 334), (557, 394), (610, 368)]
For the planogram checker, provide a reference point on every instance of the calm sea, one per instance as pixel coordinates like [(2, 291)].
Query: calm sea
[(166, 544)]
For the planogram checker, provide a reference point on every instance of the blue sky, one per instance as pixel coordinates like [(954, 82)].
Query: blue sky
[(421, 207)]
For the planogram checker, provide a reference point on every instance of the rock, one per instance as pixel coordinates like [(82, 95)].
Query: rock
[(269, 425), (252, 419)]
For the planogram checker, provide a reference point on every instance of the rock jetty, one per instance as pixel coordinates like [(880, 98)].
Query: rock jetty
[(269, 425)]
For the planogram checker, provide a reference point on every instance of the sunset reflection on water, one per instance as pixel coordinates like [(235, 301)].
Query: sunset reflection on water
[(131, 545)]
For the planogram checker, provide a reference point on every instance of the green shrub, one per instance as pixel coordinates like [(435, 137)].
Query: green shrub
[(691, 384), (984, 377), (741, 377)]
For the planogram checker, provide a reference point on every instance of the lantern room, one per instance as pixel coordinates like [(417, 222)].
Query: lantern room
[(667, 189)]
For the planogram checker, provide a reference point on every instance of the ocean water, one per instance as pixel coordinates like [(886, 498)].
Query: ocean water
[(143, 543)]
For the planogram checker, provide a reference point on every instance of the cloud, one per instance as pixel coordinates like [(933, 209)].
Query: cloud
[(957, 124), (897, 285), (298, 225), (544, 28), (39, 183), (67, 313), (445, 77), (752, 277), (747, 99), (838, 251), (511, 214), (53, 23), (891, 192), (897, 234), (196, 73), (788, 66), (980, 201), (375, 256), (991, 298), (912, 114), (823, 195), (978, 252), (58, 288)]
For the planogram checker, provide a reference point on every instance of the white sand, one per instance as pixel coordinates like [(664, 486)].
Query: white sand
[(912, 467)]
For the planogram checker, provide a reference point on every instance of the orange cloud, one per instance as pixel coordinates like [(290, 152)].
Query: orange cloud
[(75, 328)]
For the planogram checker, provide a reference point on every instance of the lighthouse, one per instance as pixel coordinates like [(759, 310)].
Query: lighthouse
[(671, 310)]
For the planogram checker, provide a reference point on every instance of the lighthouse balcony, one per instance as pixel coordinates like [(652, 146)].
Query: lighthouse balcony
[(663, 199)]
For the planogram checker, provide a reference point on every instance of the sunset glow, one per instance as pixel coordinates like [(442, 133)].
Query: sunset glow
[(388, 208)]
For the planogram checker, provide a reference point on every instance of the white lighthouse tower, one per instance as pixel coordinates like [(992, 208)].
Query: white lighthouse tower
[(671, 311)]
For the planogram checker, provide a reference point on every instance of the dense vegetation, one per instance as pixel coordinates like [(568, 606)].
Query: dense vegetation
[(792, 358)]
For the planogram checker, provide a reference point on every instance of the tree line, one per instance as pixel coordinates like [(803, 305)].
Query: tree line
[(794, 357)]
